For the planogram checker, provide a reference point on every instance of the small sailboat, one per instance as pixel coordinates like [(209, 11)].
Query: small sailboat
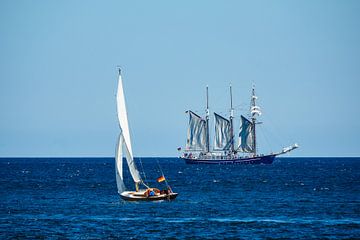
[(225, 150), (124, 147)]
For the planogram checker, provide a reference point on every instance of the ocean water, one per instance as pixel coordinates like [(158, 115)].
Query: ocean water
[(76, 198)]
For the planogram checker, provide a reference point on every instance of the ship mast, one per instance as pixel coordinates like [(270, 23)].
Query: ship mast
[(231, 121), (207, 121), (253, 112)]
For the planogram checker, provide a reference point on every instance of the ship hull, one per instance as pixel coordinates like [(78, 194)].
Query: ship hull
[(136, 196), (266, 159)]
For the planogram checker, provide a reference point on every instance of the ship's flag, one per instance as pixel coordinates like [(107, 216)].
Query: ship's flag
[(161, 179)]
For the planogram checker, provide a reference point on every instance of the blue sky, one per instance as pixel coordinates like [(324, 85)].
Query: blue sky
[(58, 73)]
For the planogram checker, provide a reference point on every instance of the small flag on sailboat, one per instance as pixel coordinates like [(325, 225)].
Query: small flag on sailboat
[(161, 179)]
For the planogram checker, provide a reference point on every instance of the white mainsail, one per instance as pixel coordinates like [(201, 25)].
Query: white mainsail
[(246, 138), (196, 137), (222, 133), (125, 134), (122, 114)]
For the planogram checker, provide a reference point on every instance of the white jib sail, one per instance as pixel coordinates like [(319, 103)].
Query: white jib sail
[(124, 125), (119, 165), (131, 163)]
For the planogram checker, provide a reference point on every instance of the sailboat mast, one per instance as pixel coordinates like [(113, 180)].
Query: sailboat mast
[(207, 121), (253, 117), (231, 121)]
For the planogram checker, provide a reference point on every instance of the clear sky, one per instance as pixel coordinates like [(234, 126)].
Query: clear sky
[(58, 74)]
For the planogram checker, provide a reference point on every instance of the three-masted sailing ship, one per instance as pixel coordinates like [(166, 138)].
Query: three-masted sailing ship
[(124, 147), (225, 150)]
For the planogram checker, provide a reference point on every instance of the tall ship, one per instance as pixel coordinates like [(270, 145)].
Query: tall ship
[(225, 150)]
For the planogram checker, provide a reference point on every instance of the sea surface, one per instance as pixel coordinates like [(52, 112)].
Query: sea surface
[(76, 198)]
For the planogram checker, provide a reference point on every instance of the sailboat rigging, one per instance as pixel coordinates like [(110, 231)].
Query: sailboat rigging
[(124, 148), (225, 151)]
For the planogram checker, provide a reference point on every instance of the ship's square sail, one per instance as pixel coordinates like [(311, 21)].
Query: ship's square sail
[(125, 133), (196, 137), (222, 133), (255, 110), (246, 137)]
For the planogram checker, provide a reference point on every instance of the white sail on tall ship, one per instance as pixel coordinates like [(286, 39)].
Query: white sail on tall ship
[(124, 148), (225, 150)]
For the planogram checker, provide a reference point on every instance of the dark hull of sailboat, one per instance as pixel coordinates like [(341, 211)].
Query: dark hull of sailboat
[(266, 159), (168, 197)]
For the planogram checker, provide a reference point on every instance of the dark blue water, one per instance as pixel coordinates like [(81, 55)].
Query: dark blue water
[(77, 198)]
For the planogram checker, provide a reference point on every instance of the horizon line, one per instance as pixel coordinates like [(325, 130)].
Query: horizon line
[(2, 157)]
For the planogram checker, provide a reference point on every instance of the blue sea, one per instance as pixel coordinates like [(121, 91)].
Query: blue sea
[(76, 198)]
